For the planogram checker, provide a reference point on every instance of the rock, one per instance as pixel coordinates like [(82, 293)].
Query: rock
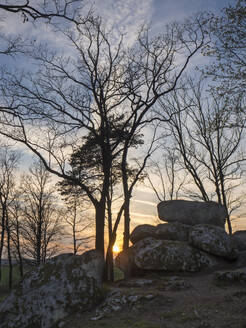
[(173, 231), (213, 240), (238, 275), (63, 285), (240, 237), (116, 300), (175, 283), (171, 256), (136, 283), (125, 262), (167, 231), (165, 255), (142, 231), (241, 261), (192, 212)]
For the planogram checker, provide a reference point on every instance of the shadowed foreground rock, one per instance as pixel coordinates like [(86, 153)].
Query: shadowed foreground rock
[(64, 285), (240, 237), (192, 212)]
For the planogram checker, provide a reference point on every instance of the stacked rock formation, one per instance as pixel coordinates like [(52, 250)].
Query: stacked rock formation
[(193, 239)]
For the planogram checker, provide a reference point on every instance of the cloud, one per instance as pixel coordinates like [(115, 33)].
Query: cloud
[(125, 16)]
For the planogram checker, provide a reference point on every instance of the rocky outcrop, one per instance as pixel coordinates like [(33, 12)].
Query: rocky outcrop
[(166, 231), (240, 237), (170, 256), (165, 255), (193, 239), (213, 240), (192, 212), (63, 285)]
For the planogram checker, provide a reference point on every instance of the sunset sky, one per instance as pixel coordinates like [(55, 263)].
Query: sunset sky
[(126, 16)]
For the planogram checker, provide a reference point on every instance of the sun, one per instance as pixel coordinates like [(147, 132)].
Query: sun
[(116, 249)]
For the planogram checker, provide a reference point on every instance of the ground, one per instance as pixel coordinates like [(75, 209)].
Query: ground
[(187, 301), (173, 301)]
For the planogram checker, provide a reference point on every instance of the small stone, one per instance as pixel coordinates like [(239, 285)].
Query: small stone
[(149, 297), (134, 298), (97, 317)]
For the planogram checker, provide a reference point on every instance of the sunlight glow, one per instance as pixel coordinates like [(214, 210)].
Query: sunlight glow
[(116, 249)]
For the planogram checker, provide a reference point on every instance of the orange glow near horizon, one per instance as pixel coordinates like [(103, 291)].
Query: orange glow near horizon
[(116, 249)]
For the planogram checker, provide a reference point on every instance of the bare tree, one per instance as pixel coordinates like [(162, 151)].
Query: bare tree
[(41, 223), (53, 111), (15, 211), (168, 173), (8, 165), (65, 9), (208, 137), (228, 49), (77, 217)]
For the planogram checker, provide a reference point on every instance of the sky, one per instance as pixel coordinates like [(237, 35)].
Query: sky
[(127, 16)]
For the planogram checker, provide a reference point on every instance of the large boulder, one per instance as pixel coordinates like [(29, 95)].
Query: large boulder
[(192, 212), (166, 255), (169, 231), (213, 240), (63, 285), (240, 237)]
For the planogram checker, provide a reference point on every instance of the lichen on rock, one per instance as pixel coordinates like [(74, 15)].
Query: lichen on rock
[(213, 240), (63, 285)]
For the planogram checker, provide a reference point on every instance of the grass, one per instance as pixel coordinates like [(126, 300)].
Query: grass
[(118, 274), (4, 283), (5, 276)]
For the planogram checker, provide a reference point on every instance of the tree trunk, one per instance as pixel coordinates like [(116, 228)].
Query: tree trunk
[(9, 255), (110, 261), (1, 244), (100, 217), (39, 242), (18, 247), (126, 223), (74, 237), (109, 256)]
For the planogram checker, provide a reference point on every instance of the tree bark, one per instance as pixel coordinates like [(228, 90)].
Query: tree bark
[(100, 216), (2, 243), (126, 223), (9, 254)]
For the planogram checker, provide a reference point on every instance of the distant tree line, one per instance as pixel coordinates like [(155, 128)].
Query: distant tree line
[(32, 220)]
